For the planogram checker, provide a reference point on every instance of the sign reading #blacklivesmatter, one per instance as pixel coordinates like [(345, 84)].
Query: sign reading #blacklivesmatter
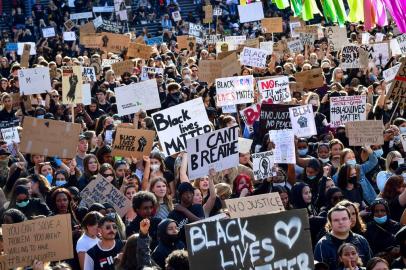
[(178, 123), (346, 109), (43, 239), (133, 142), (270, 241)]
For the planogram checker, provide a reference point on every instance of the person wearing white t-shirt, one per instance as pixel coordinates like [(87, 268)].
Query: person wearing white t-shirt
[(89, 237)]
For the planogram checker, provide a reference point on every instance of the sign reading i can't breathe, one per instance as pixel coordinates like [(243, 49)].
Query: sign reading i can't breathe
[(178, 123), (272, 241)]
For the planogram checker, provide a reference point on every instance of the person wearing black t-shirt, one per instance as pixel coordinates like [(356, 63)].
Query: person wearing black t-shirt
[(101, 256), (186, 212)]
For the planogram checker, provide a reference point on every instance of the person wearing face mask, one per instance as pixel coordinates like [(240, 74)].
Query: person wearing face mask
[(391, 165), (174, 96), (168, 235), (382, 229), (400, 262), (31, 207), (313, 175), (302, 153)]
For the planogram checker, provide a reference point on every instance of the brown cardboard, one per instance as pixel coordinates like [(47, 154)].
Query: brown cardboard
[(208, 14), (87, 29), (114, 42), (272, 25), (140, 40), (49, 137), (72, 85), (133, 142), (3, 262), (45, 239), (137, 50), (186, 42), (69, 24), (368, 132), (245, 206), (93, 41), (310, 79), (102, 191), (121, 67), (309, 29), (209, 70), (25, 57)]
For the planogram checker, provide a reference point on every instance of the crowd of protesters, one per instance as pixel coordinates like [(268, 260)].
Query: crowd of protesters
[(355, 197)]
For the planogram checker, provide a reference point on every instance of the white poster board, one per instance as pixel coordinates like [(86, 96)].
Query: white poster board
[(69, 36), (275, 90), (253, 57), (20, 48), (347, 109), (145, 70), (284, 151), (402, 43), (48, 32), (10, 135), (251, 12), (302, 118), (34, 80), (262, 164), (86, 94), (267, 46), (234, 90)]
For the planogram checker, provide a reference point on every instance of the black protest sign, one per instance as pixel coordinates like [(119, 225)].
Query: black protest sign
[(133, 142), (273, 241), (274, 117)]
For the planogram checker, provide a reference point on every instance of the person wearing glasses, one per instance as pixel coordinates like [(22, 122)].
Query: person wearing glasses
[(102, 255)]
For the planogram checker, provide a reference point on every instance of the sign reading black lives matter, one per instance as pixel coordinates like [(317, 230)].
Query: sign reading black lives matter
[(215, 150), (178, 123), (274, 117), (272, 241)]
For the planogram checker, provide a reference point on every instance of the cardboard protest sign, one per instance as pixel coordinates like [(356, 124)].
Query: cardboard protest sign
[(336, 36), (295, 46), (69, 36), (69, 24), (48, 32), (369, 132), (216, 150), (397, 91), (234, 90), (350, 57), (208, 14), (276, 238), (177, 124), (10, 135), (133, 142), (133, 97), (44, 239), (22, 45), (210, 70), (274, 117), (310, 79), (3, 262), (195, 30), (402, 43), (272, 25), (267, 46), (251, 114), (115, 42), (377, 53), (137, 50), (145, 70), (262, 164), (91, 41), (302, 118), (347, 109), (253, 57), (186, 42), (49, 137), (25, 57), (254, 205), (98, 21), (251, 12), (176, 16), (88, 74), (293, 25), (233, 42), (284, 151), (34, 80), (123, 66), (307, 38), (72, 85), (108, 62), (86, 29), (82, 15), (100, 191), (275, 90)]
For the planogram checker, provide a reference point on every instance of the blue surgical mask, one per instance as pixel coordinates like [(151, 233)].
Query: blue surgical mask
[(402, 129), (311, 177), (324, 160), (302, 152), (40, 116), (49, 177), (23, 203), (381, 220), (59, 183), (351, 162), (378, 152)]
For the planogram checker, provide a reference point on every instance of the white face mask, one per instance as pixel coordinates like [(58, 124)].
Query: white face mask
[(155, 167), (390, 105)]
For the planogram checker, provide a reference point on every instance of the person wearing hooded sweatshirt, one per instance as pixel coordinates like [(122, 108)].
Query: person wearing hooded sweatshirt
[(168, 236), (381, 230)]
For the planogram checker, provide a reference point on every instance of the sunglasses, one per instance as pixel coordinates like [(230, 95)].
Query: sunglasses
[(111, 227), (108, 174), (55, 96)]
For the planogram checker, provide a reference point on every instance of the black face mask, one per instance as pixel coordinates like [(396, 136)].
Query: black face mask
[(352, 180), (393, 165), (326, 70), (403, 249)]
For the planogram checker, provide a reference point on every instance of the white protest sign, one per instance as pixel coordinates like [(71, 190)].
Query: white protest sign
[(347, 109), (83, 15), (394, 47), (293, 26), (229, 108), (34, 80), (10, 135), (176, 16), (234, 90), (103, 9), (217, 11), (284, 151), (379, 37), (302, 118), (365, 38), (195, 30), (234, 41), (88, 74), (253, 57), (86, 94), (48, 32), (295, 46), (179, 123), (251, 114), (133, 97), (377, 53), (402, 43), (390, 73), (403, 140), (350, 57), (262, 164), (267, 46), (98, 21), (145, 70), (337, 37), (20, 48), (245, 145), (216, 150), (251, 12), (69, 36), (275, 90), (109, 62), (307, 38)]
